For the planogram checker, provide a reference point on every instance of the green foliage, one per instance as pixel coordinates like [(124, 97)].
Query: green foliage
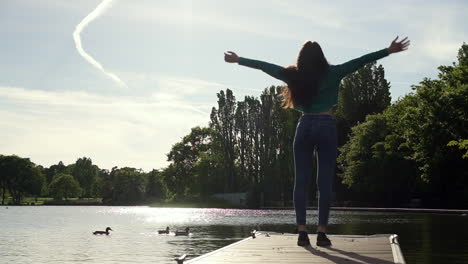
[(373, 162), (191, 171), (439, 116), (463, 55), (154, 187), (410, 144), (362, 93), (128, 185), (64, 186), (461, 144), (19, 176), (223, 123), (54, 170), (85, 173)]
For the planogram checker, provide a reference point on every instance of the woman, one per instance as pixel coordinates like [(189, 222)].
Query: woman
[(312, 88)]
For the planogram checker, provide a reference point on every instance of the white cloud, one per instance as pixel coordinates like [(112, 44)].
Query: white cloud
[(114, 131), (172, 89)]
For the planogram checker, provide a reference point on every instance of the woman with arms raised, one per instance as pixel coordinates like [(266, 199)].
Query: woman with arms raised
[(312, 88)]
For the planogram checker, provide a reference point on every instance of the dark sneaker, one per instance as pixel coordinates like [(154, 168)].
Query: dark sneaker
[(322, 240), (303, 239)]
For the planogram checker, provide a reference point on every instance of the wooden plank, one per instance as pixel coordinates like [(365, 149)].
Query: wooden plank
[(281, 248)]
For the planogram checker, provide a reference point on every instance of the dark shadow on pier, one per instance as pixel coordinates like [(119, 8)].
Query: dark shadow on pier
[(351, 257)]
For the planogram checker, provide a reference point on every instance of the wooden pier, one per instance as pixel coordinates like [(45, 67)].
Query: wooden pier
[(269, 247)]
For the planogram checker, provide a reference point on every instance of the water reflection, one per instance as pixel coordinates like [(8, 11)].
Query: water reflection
[(63, 234)]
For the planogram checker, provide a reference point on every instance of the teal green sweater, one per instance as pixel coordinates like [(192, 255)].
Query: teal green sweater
[(327, 95)]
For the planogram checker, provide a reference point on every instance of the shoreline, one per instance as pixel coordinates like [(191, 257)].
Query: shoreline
[(382, 209)]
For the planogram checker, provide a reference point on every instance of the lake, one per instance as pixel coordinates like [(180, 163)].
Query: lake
[(63, 234)]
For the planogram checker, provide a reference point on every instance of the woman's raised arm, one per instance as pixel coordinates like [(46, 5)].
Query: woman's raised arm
[(353, 65), (269, 68)]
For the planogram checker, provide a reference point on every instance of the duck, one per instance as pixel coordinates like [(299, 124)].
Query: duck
[(164, 231), (182, 233), (103, 232)]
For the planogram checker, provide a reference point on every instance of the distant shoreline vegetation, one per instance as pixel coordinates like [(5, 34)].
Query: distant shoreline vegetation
[(49, 201), (409, 153)]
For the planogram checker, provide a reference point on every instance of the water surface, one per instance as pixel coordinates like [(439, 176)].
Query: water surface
[(63, 234)]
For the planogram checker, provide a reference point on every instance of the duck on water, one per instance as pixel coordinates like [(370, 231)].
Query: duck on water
[(164, 231), (103, 232), (183, 233)]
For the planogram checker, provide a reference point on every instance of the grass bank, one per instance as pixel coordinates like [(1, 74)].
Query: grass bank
[(197, 203), (51, 201)]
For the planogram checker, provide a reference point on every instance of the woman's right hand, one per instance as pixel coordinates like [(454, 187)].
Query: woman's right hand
[(231, 57)]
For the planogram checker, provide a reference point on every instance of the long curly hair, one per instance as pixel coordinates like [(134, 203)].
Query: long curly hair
[(304, 78)]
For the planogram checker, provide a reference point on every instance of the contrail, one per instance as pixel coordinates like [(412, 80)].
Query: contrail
[(100, 9)]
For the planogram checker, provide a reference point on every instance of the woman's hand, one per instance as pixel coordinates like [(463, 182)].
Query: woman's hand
[(231, 57), (398, 46)]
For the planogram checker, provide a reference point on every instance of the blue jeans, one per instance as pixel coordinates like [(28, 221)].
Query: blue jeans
[(314, 134)]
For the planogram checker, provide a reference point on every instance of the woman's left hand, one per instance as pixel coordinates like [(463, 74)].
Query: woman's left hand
[(231, 57), (398, 46)]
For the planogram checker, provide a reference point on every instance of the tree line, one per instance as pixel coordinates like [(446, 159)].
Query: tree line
[(390, 154), (20, 177)]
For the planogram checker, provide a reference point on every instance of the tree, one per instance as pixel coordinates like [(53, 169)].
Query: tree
[(223, 123), (3, 177), (373, 162), (184, 176), (106, 185), (64, 186), (20, 176), (209, 173), (154, 187), (364, 92), (440, 116), (243, 144), (54, 170), (128, 185), (97, 189), (252, 147), (85, 173)]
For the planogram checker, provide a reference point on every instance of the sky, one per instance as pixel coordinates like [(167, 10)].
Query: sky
[(162, 65)]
